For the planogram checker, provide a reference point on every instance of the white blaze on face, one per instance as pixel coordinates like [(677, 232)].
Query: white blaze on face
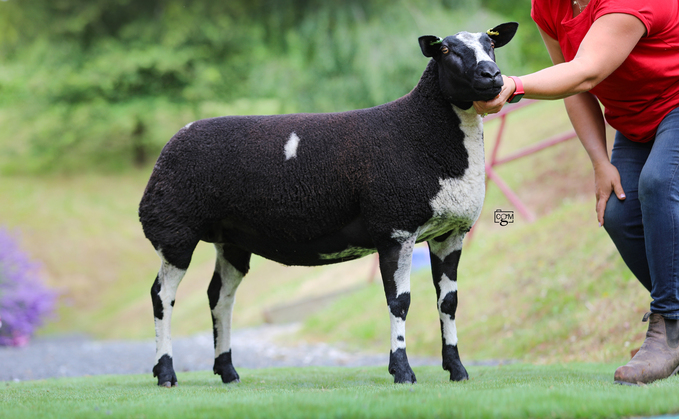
[(291, 146), (473, 41)]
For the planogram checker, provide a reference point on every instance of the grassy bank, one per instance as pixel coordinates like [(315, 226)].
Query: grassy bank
[(513, 391)]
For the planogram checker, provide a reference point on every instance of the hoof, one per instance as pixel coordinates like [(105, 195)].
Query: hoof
[(224, 368), (452, 364), (165, 372), (405, 379), (400, 368), (458, 372), (456, 376)]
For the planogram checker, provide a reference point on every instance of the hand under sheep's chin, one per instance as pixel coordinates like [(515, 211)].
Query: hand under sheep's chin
[(484, 107), (488, 95)]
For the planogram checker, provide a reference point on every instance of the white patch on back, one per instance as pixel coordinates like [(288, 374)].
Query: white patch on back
[(291, 146), (188, 125), (473, 41)]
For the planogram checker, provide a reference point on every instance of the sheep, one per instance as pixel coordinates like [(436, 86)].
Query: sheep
[(316, 189)]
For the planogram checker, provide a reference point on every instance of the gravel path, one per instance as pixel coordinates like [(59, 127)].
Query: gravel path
[(259, 347)]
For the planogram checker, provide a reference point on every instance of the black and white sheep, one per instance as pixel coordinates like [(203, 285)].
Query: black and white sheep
[(315, 189)]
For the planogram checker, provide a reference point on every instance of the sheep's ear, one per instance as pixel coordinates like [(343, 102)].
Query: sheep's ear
[(430, 45), (503, 33)]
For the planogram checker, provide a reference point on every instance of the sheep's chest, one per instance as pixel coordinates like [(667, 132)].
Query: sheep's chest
[(459, 201)]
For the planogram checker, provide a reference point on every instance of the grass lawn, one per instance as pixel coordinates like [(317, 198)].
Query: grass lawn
[(518, 390)]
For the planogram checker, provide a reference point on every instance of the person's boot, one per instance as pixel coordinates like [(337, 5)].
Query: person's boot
[(659, 355)]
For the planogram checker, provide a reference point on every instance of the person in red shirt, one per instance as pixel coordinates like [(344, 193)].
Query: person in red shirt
[(623, 54)]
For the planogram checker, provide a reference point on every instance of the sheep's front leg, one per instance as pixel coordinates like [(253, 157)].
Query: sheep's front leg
[(163, 294), (232, 265), (395, 260), (445, 254)]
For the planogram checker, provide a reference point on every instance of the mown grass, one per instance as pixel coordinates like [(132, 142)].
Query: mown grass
[(511, 391)]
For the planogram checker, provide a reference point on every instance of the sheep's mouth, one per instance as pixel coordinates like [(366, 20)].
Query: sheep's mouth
[(489, 93)]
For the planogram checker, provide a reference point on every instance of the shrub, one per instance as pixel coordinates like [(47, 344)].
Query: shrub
[(24, 301)]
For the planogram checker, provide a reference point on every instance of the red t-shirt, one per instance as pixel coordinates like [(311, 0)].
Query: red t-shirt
[(645, 88)]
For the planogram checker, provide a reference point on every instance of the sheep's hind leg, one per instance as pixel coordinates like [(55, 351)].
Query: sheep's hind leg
[(395, 261), (232, 264), (445, 255), (163, 294)]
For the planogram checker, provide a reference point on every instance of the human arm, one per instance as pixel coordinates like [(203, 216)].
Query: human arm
[(585, 114), (607, 44)]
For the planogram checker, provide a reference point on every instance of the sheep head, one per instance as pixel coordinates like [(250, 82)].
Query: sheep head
[(466, 63)]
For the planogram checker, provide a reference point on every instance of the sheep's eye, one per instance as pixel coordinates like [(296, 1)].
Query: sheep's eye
[(445, 50)]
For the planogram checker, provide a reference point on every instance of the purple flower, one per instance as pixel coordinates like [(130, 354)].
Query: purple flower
[(24, 300)]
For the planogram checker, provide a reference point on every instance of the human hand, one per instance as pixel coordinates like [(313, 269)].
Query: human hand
[(606, 180), (495, 105)]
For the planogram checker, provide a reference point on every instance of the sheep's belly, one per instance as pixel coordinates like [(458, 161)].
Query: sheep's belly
[(350, 242)]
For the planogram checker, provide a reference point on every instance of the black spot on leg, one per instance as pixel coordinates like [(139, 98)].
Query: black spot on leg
[(449, 304), (172, 303), (400, 338), (215, 333), (448, 266), (239, 259), (214, 289), (453, 258), (155, 298), (399, 305)]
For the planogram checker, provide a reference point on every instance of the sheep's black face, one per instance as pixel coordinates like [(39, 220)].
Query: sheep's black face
[(466, 63)]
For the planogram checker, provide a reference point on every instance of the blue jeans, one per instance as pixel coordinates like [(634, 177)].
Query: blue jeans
[(645, 226)]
